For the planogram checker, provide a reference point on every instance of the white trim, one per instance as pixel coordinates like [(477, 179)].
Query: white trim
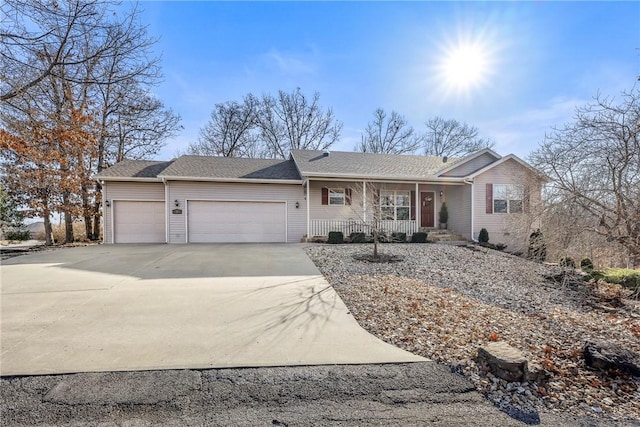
[(308, 198), (473, 210), (104, 213), (232, 180), (380, 178), (504, 159), (167, 211), (126, 179), (364, 200), (416, 204), (113, 222), (469, 158), (286, 213)]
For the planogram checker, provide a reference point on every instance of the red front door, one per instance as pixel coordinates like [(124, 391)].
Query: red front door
[(427, 203)]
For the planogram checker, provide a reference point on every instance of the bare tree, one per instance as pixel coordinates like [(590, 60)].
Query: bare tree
[(231, 131), (293, 121), (389, 134), (449, 137), (595, 165)]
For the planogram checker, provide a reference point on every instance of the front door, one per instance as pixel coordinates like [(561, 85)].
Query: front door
[(427, 210)]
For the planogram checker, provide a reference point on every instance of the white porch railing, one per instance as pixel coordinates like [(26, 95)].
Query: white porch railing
[(322, 227)]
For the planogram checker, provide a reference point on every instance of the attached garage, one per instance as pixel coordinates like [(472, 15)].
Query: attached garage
[(139, 221), (236, 221)]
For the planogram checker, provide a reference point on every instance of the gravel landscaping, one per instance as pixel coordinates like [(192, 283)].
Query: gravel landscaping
[(445, 301)]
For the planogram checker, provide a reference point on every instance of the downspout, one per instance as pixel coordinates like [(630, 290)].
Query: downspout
[(308, 212), (418, 208), (104, 212), (473, 196), (364, 200)]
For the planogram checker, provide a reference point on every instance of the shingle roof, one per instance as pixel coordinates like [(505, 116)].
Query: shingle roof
[(392, 166), (231, 168), (134, 169)]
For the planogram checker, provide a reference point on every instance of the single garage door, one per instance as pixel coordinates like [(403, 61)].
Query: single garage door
[(138, 222), (218, 222)]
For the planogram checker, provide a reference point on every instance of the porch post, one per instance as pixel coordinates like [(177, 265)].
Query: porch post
[(364, 200), (418, 207), (308, 213)]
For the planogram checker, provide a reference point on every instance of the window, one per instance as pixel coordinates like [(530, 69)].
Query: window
[(336, 196), (508, 198), (395, 205)]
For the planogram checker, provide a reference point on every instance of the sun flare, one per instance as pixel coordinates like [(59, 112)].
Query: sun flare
[(465, 66)]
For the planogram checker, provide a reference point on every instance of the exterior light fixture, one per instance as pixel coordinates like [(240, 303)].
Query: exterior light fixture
[(176, 202), (108, 203), (297, 205), (441, 194)]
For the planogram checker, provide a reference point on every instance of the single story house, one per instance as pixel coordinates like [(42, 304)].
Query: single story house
[(195, 199)]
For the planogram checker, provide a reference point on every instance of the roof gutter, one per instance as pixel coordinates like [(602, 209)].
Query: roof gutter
[(231, 180), (383, 178), (126, 179)]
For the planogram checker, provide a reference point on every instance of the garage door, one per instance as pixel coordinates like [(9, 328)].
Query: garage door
[(139, 222), (210, 222)]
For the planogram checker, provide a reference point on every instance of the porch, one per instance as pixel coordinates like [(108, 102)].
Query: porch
[(322, 227)]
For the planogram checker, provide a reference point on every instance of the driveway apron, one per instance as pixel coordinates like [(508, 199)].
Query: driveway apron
[(146, 307)]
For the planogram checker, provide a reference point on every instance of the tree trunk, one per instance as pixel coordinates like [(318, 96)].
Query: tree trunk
[(47, 227), (68, 219)]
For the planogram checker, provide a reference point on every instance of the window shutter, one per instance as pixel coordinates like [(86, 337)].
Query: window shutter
[(489, 199), (526, 202), (325, 196), (347, 196), (413, 205)]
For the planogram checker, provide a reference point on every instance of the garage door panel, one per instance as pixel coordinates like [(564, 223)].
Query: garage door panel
[(244, 222), (139, 222)]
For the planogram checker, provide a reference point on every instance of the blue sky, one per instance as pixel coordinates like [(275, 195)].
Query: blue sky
[(541, 60)]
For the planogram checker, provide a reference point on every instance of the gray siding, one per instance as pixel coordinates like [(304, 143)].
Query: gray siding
[(471, 166), (458, 200), (127, 191), (187, 190), (502, 227)]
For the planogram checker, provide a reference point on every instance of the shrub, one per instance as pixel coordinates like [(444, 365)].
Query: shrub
[(622, 276), (335, 237), (444, 214), (567, 261), (586, 264), (537, 246), (17, 234), (501, 246), (397, 237), (483, 237), (419, 237), (357, 237)]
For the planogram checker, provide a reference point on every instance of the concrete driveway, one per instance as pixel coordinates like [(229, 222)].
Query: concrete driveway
[(146, 307)]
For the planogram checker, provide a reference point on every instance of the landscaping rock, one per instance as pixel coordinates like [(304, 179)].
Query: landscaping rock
[(506, 362), (609, 356)]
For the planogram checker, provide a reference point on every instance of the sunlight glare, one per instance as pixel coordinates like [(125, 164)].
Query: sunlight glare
[(464, 67)]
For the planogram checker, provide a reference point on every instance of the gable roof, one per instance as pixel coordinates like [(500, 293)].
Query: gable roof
[(515, 158), (316, 163), (230, 169), (145, 170), (469, 158)]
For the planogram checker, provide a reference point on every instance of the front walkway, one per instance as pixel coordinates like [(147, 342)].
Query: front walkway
[(146, 307)]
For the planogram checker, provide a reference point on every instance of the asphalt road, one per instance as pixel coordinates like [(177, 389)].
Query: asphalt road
[(347, 395)]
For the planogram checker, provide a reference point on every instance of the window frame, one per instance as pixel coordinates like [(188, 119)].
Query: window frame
[(337, 190), (392, 195), (509, 191)]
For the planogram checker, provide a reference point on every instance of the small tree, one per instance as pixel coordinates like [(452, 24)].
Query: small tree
[(483, 237), (444, 214)]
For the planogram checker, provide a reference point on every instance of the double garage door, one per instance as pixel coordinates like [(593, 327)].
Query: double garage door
[(220, 221)]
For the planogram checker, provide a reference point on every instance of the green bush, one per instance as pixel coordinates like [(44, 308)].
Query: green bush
[(335, 237), (537, 246), (17, 235), (483, 237), (622, 276), (444, 214), (419, 237), (357, 237), (586, 264), (397, 237), (567, 261)]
